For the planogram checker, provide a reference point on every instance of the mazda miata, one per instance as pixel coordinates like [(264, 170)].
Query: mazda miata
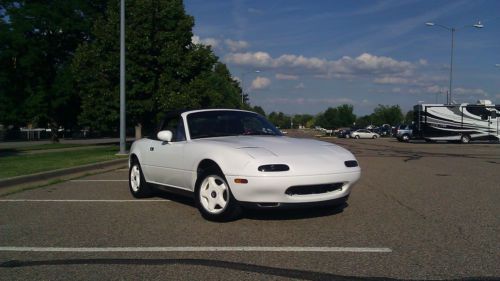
[(228, 159)]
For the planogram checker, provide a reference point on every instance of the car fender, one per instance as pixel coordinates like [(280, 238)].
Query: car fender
[(230, 160), (136, 150)]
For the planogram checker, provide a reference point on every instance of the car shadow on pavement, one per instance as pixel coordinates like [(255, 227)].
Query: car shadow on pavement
[(266, 213), (293, 214)]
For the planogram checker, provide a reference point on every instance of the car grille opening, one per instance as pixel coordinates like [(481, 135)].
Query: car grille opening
[(314, 189)]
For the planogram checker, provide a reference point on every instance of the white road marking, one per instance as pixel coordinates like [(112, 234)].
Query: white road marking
[(198, 249), (97, 180), (82, 200)]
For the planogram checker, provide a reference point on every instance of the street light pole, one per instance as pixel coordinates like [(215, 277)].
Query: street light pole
[(448, 98), (452, 30), (122, 78)]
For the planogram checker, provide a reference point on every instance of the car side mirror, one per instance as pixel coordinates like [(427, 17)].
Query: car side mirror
[(165, 135)]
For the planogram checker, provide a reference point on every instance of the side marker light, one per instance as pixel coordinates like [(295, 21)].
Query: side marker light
[(241, 181)]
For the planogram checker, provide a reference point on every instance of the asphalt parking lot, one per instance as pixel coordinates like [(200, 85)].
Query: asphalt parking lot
[(420, 211)]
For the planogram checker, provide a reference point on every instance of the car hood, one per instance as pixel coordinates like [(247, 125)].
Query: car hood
[(303, 155), (279, 146)]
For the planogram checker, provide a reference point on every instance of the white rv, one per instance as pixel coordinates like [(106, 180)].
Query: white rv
[(457, 122)]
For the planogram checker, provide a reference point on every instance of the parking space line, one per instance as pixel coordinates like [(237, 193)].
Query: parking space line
[(198, 249), (96, 180), (83, 200)]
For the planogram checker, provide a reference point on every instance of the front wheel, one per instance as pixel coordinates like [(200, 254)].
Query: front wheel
[(406, 138), (374, 137), (356, 137), (136, 182), (214, 199)]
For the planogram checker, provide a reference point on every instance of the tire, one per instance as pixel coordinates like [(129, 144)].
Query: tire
[(406, 138), (356, 137), (465, 139), (214, 198), (137, 183), (374, 137)]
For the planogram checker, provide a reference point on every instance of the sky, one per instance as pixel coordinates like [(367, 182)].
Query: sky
[(305, 56)]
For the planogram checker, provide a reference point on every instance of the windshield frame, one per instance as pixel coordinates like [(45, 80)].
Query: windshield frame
[(271, 130)]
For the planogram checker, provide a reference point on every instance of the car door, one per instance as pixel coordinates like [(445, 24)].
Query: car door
[(364, 134), (166, 159)]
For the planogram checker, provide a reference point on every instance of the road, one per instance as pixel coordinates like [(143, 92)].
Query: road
[(420, 211)]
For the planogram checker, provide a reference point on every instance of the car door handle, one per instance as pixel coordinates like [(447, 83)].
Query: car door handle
[(151, 149)]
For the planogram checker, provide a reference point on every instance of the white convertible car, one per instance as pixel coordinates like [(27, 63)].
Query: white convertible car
[(227, 159)]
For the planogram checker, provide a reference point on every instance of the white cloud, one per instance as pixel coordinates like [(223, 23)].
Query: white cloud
[(205, 41), (435, 89), (310, 101), (300, 86), (365, 64), (258, 59), (234, 45), (260, 83), (280, 76), (391, 80), (471, 92), (423, 62)]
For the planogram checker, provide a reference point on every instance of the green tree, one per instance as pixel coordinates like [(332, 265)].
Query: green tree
[(409, 117), (280, 120), (341, 116), (37, 43), (363, 121), (383, 114), (302, 120), (259, 110), (165, 70)]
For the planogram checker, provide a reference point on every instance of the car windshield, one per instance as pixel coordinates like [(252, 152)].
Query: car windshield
[(208, 124)]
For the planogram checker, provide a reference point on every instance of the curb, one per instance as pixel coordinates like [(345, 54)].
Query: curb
[(44, 176)]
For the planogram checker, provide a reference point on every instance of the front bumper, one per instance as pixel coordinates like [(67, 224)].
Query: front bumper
[(272, 189)]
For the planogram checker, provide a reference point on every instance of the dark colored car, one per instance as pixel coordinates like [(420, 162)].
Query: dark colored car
[(344, 133)]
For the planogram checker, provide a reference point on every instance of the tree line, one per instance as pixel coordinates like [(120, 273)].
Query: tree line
[(343, 116), (59, 67)]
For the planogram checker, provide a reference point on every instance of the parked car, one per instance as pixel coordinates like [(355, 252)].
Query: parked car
[(226, 159), (364, 134), (384, 130), (404, 132), (344, 133)]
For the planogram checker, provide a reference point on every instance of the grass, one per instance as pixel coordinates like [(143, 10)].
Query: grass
[(48, 146), (28, 148), (25, 164)]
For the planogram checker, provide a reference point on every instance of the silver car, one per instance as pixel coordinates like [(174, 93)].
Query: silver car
[(364, 134)]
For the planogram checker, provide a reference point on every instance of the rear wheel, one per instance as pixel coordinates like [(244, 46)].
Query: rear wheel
[(214, 198), (406, 138), (136, 182), (465, 139), (374, 136)]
